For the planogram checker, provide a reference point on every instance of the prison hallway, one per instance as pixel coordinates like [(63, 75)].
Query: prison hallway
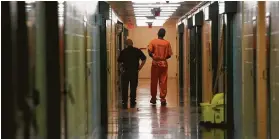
[(147, 121)]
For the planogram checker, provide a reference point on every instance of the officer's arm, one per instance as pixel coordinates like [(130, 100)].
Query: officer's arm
[(143, 59), (150, 53)]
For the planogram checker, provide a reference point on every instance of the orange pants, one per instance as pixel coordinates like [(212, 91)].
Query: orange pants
[(161, 74)]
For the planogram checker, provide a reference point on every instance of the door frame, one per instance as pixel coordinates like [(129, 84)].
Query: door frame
[(53, 86), (181, 61), (9, 86), (268, 63), (104, 15), (228, 13)]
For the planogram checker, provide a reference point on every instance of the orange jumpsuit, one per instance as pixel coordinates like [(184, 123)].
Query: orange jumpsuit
[(161, 51)]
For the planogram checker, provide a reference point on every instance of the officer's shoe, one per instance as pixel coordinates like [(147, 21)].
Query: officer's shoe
[(124, 106), (133, 104)]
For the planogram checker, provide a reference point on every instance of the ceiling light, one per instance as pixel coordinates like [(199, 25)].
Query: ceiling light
[(142, 2), (154, 22), (161, 1), (144, 12), (141, 18), (162, 18), (168, 10), (151, 20), (139, 15), (156, 5), (156, 18), (149, 8), (149, 13)]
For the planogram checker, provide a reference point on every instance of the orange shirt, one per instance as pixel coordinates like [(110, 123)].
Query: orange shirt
[(160, 49)]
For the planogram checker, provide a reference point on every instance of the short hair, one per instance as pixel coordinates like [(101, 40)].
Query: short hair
[(161, 32), (129, 42)]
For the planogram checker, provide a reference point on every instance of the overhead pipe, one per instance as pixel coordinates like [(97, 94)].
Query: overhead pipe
[(196, 8)]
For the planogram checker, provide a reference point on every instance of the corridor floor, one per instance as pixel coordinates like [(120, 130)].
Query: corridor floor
[(148, 121)]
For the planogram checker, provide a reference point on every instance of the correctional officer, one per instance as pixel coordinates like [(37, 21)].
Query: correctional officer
[(129, 58), (159, 50)]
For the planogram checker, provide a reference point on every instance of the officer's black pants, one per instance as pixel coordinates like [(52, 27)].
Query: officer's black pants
[(132, 78)]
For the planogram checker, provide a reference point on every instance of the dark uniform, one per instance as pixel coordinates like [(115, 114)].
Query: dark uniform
[(130, 57)]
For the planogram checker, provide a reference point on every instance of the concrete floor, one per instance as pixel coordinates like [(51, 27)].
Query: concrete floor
[(159, 122)]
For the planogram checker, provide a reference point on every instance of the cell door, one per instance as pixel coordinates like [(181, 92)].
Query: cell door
[(181, 61), (76, 70), (8, 92), (254, 72), (249, 98), (196, 64), (193, 69), (181, 70), (104, 11), (273, 35), (119, 43), (269, 100), (199, 63)]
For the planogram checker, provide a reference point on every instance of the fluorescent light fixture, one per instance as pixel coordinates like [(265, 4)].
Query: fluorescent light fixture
[(149, 8), (149, 13), (154, 22), (143, 2), (141, 12), (152, 14), (30, 1), (143, 9), (156, 18), (150, 20), (141, 18), (156, 5), (162, 18), (161, 1), (144, 15)]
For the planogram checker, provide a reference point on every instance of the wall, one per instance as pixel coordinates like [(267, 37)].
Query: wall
[(249, 116), (82, 76), (273, 8), (143, 35)]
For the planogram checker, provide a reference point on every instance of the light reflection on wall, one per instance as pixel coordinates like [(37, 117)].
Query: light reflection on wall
[(61, 13)]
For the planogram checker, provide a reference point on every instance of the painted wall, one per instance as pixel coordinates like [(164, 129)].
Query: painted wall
[(249, 117), (84, 106), (143, 35), (273, 8)]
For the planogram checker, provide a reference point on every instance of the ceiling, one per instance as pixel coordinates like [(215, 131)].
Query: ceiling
[(125, 11)]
